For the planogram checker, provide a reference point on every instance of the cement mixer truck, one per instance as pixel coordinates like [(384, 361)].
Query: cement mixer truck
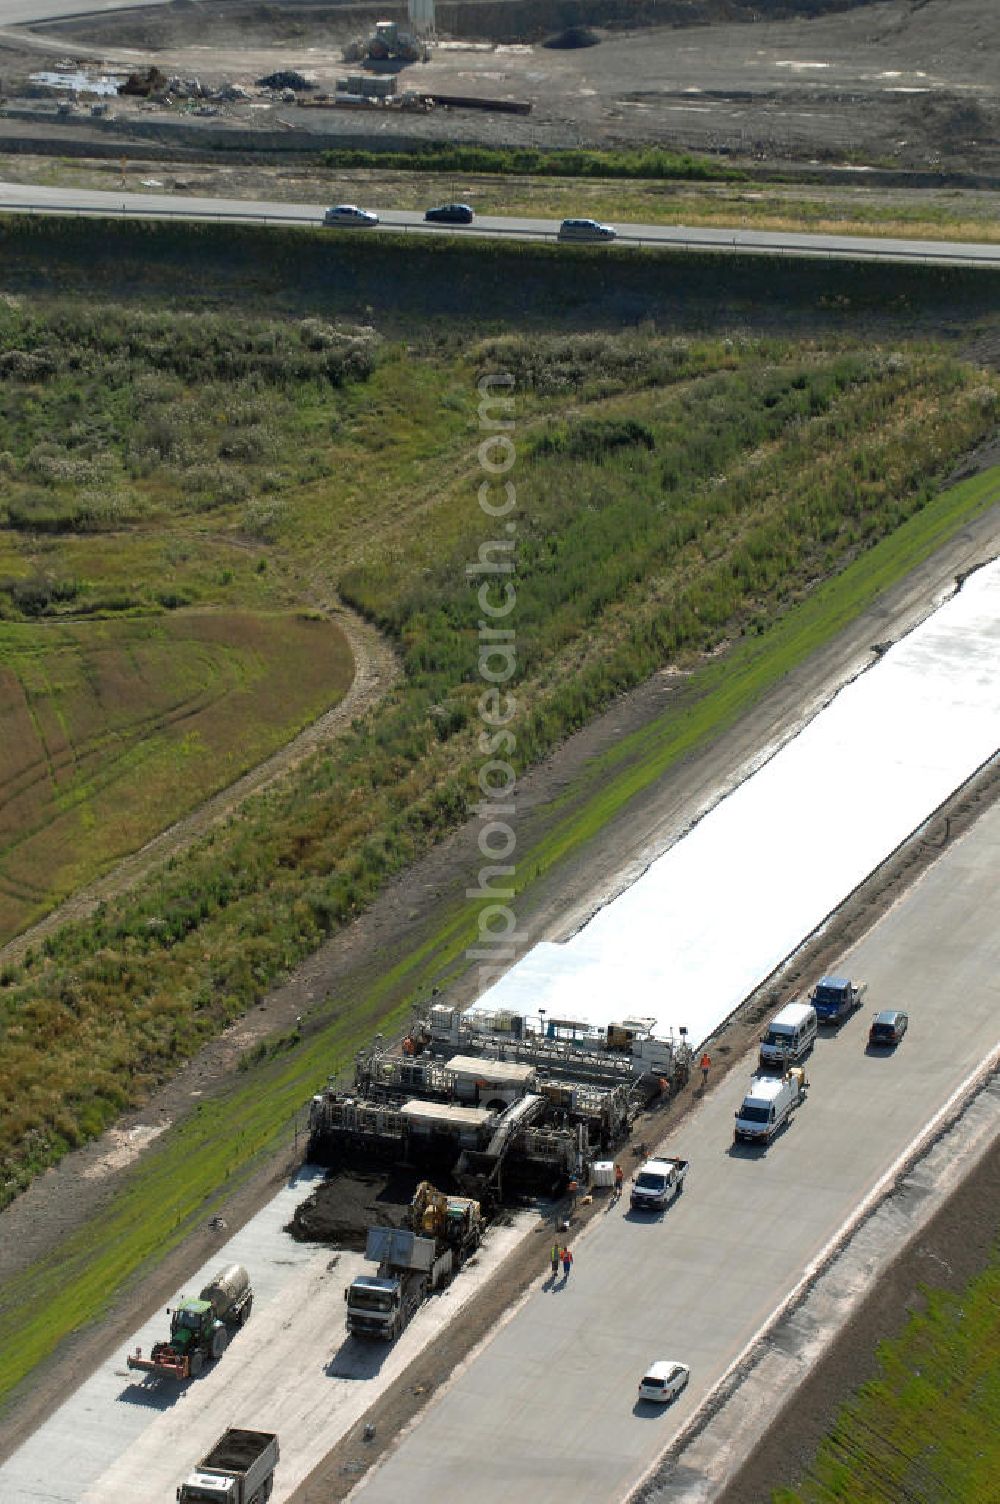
[(200, 1329)]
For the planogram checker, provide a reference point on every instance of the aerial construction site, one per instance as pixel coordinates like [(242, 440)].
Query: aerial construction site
[(499, 725)]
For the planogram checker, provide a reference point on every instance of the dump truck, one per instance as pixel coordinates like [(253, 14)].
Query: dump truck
[(836, 998), (238, 1470), (200, 1329), (409, 1267), (444, 1230)]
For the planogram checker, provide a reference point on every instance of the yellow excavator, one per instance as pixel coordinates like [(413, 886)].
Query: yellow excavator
[(454, 1222)]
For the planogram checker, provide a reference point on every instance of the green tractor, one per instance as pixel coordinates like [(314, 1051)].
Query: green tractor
[(200, 1329)]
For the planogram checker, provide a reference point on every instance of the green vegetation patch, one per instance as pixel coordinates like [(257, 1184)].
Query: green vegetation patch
[(447, 286), (927, 1428), (113, 728), (650, 162)]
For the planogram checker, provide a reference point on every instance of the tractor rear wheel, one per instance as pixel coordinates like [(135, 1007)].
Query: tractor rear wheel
[(220, 1341)]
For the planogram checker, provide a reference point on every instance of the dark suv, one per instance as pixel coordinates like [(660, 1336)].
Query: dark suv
[(450, 214), (887, 1028)]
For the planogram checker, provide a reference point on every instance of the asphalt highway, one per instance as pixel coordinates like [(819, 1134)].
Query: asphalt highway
[(28, 198), (548, 1410), (20, 12)]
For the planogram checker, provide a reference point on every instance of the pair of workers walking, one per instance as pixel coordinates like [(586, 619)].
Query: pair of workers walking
[(560, 1254)]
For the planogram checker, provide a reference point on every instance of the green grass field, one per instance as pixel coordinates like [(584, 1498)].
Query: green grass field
[(110, 729), (927, 1429)]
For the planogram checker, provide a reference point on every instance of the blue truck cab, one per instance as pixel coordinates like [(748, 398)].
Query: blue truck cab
[(836, 998)]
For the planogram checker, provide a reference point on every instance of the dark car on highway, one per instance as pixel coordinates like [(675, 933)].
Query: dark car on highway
[(450, 214), (887, 1028)]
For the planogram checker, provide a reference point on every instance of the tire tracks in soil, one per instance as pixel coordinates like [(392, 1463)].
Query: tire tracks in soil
[(376, 669)]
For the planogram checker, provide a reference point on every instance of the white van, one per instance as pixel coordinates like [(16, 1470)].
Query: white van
[(767, 1104), (790, 1036)]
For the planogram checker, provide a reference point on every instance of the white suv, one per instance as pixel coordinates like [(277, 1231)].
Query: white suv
[(349, 214), (663, 1381)]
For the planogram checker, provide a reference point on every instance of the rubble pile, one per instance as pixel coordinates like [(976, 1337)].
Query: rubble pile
[(285, 78)]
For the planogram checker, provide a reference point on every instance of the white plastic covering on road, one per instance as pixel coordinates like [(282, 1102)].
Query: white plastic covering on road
[(716, 913)]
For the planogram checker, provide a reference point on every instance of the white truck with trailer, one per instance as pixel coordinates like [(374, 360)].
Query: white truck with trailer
[(657, 1183), (768, 1104), (238, 1470)]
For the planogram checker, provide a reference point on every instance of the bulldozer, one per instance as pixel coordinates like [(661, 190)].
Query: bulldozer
[(387, 43)]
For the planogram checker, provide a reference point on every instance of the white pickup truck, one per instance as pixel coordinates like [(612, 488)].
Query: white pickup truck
[(657, 1183)]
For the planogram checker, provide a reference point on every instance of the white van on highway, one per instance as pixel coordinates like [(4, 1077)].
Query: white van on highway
[(790, 1036), (768, 1103)]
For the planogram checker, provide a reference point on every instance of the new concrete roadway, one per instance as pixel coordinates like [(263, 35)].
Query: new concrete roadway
[(28, 198), (547, 1411)]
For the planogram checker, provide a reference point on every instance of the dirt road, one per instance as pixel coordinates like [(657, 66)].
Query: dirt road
[(913, 85)]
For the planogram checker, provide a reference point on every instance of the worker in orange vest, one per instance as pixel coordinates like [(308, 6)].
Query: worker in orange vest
[(705, 1063)]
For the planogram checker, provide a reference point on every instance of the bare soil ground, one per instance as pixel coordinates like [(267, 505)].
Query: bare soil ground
[(342, 1207), (912, 83)]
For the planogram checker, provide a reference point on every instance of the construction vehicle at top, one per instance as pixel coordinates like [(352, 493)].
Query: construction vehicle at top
[(238, 1470), (412, 1261), (200, 1329), (387, 43)]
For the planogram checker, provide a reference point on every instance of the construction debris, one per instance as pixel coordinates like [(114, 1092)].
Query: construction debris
[(286, 78), (141, 85)]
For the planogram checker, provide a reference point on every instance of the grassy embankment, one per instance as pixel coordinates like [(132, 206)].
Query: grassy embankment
[(113, 729), (928, 1428), (681, 500), (189, 1171)]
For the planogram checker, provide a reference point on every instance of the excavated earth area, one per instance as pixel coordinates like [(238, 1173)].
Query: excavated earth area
[(913, 84), (341, 1209)]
